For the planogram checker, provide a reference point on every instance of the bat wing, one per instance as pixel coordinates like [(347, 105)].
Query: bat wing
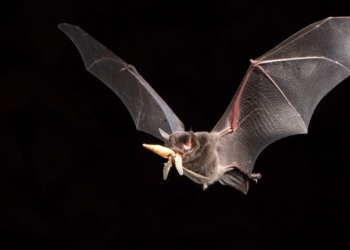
[(148, 110), (279, 93)]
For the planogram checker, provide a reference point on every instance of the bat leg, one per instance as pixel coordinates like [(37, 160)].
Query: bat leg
[(255, 177)]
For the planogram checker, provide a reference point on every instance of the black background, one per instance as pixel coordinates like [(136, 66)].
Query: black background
[(73, 173)]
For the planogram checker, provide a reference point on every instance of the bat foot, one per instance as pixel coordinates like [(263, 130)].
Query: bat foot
[(255, 177)]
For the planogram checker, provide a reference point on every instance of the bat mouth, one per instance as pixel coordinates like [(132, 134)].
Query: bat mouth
[(172, 156), (186, 149)]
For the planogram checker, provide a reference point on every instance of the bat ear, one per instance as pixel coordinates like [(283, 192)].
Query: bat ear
[(190, 138), (193, 141), (164, 134)]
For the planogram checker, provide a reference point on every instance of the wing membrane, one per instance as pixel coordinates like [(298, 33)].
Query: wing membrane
[(146, 107), (282, 89)]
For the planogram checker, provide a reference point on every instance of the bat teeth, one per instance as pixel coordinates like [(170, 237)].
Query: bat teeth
[(160, 150)]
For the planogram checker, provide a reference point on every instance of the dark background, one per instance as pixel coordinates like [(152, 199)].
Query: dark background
[(73, 173)]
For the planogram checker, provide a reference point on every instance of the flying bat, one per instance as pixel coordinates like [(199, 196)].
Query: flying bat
[(276, 99)]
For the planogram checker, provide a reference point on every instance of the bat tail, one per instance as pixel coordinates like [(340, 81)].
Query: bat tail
[(235, 179)]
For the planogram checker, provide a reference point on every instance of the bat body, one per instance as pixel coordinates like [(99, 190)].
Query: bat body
[(276, 98), (198, 155)]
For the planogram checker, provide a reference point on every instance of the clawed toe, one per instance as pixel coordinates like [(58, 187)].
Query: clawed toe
[(255, 177)]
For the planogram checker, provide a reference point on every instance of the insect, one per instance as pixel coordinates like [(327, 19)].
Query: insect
[(276, 98)]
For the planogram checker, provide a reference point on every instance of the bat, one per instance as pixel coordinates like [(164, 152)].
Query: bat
[(275, 99)]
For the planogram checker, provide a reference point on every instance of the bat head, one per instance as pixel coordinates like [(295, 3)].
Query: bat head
[(182, 142)]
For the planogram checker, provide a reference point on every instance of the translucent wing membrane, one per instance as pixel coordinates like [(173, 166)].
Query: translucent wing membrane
[(282, 89), (147, 109)]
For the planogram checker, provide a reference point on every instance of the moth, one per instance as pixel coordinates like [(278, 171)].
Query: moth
[(276, 98)]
